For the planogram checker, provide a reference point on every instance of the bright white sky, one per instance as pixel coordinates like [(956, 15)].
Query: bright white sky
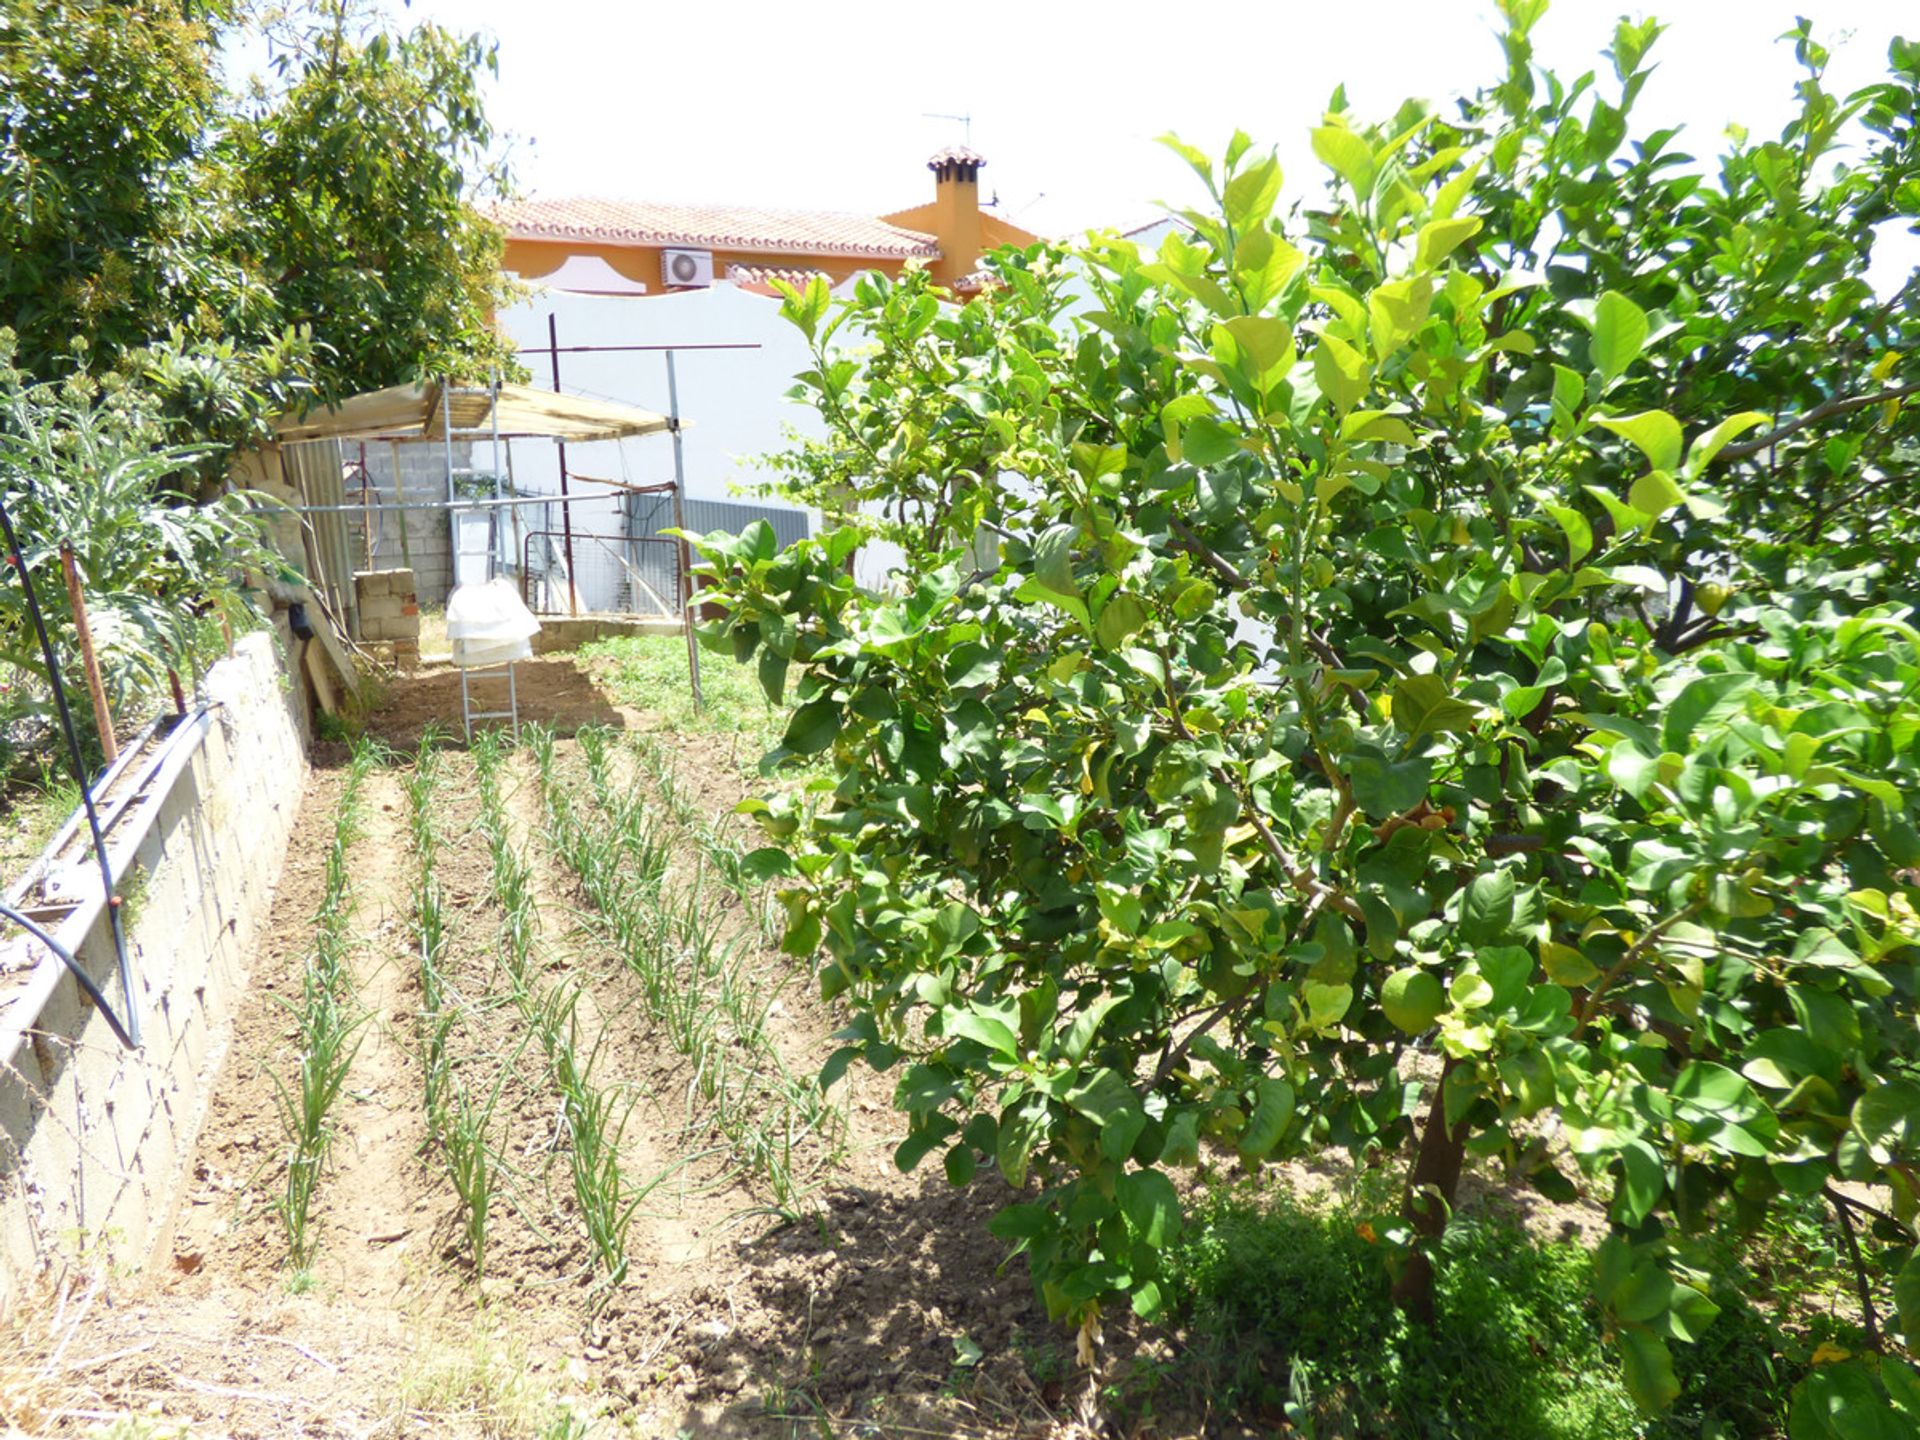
[(823, 106)]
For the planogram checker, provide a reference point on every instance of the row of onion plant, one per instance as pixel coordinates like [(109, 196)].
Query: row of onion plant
[(594, 1117), (327, 1017), (695, 983), (714, 842)]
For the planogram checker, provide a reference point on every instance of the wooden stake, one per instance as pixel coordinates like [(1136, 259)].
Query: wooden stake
[(400, 498), (90, 664)]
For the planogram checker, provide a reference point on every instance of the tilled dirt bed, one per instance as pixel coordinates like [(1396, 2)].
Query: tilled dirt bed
[(859, 1302)]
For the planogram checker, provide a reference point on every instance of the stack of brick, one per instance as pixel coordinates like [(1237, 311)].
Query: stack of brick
[(389, 612)]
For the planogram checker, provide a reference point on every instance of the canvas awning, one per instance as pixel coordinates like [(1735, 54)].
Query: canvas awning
[(418, 411)]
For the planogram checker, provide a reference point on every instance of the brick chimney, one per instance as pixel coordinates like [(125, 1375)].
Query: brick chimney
[(956, 212)]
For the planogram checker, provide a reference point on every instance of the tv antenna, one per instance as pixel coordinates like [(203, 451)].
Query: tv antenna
[(966, 123)]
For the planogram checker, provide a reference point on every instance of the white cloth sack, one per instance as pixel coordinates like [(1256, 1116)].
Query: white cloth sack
[(488, 624)]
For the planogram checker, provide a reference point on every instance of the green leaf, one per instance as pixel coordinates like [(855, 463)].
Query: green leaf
[(1265, 346), (1053, 559), (1486, 910), (1578, 532), (1086, 1023), (1347, 155), (1120, 617), (929, 1132), (1422, 705), (1654, 493), (1643, 1180), (812, 728), (1440, 238), (1619, 334), (1887, 1118), (1342, 372), (1384, 788), (1705, 701), (1396, 311), (1646, 1365), (990, 1030), (1383, 925), (1249, 196), (1207, 440), (1654, 432), (1906, 1297), (1567, 966), (1705, 447), (1152, 1206), (1632, 769), (1272, 1111), (1106, 1099), (767, 863)]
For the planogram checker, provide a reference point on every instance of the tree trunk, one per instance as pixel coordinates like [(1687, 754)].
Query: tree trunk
[(1429, 1201)]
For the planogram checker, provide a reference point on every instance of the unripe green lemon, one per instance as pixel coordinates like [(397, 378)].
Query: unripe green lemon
[(1412, 998)]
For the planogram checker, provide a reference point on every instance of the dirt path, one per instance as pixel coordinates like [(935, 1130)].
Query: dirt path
[(378, 1202)]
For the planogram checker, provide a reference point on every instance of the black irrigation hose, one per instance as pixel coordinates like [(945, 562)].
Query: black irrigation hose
[(79, 971), (130, 1032)]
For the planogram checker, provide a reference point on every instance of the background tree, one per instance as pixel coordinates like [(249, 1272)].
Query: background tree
[(1444, 679), (236, 256), (180, 264), (111, 216), (355, 180)]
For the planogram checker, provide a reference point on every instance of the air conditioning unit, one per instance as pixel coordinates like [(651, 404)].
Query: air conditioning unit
[(686, 268)]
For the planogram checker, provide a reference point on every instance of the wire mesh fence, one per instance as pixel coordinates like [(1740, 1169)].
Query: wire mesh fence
[(621, 562)]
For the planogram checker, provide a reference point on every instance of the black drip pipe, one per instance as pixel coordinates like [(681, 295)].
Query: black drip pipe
[(79, 972), (129, 1033)]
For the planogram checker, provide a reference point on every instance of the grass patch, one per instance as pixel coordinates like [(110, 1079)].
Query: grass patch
[(1284, 1317), (29, 814), (649, 672)]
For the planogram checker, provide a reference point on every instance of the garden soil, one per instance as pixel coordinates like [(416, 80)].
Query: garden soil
[(878, 1306)]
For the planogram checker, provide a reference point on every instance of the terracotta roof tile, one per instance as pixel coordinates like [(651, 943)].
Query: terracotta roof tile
[(956, 155), (715, 227), (795, 275)]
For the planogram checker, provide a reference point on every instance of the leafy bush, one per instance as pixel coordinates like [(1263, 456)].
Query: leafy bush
[(1442, 675), (83, 468), (1280, 1311)]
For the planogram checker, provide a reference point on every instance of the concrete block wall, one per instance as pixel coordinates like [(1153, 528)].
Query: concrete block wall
[(390, 611), (423, 477), (94, 1139)]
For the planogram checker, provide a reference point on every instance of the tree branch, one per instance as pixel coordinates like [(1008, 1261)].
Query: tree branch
[(1839, 1203), (1634, 951), (1825, 410)]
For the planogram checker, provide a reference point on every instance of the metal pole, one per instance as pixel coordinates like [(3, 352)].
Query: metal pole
[(446, 435), (355, 507), (453, 530), (366, 524), (566, 510), (680, 523), (514, 517), (628, 349), (493, 407)]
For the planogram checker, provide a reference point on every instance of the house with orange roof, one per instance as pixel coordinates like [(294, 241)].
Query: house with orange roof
[(633, 247)]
